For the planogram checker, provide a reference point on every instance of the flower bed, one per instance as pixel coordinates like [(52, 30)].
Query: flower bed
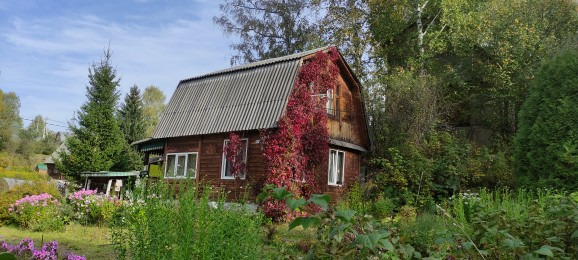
[(26, 250), (37, 212), (88, 207)]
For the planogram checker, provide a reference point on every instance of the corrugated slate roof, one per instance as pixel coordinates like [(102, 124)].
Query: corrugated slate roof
[(246, 97)]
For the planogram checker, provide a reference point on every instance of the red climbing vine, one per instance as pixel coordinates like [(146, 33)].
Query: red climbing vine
[(299, 145), (234, 152)]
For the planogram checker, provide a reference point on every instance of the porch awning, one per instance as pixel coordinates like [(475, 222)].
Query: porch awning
[(149, 144), (110, 174)]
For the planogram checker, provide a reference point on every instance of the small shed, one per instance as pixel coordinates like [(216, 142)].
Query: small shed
[(109, 182), (42, 168), (49, 162)]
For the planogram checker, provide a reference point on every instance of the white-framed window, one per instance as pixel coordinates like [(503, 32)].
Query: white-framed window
[(329, 105), (181, 165), (336, 166), (226, 164)]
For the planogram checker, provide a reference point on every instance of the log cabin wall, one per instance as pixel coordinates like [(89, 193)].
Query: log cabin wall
[(346, 123), (209, 164), (352, 165), (210, 154)]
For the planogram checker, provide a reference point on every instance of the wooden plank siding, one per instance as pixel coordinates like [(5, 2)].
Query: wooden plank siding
[(348, 123), (210, 163)]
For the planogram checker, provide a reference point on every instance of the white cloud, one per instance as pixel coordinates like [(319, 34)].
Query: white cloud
[(46, 59)]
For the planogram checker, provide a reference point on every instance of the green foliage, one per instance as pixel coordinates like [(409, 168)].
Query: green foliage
[(356, 198), (412, 108), (89, 208), (440, 167), (382, 207), (159, 226), (131, 116), (7, 256), (19, 191), (10, 122), (341, 233), (153, 106), (547, 142), (504, 224), (96, 142)]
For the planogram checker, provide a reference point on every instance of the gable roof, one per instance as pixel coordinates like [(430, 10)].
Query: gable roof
[(246, 97), (56, 154)]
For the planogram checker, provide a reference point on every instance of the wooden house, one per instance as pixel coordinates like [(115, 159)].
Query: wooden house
[(193, 130)]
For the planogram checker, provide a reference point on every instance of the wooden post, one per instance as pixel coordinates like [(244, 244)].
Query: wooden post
[(108, 187)]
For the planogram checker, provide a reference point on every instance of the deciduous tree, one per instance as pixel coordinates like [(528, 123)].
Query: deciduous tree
[(153, 106), (10, 122), (268, 29)]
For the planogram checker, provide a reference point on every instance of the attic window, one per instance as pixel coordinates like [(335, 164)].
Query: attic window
[(329, 105)]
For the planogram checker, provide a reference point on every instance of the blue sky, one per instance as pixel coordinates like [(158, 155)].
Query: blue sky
[(46, 47)]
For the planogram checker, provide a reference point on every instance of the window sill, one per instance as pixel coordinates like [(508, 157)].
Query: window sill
[(335, 185), (177, 178), (231, 178)]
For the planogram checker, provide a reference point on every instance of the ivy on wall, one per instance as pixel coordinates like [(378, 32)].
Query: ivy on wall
[(299, 145), (233, 152)]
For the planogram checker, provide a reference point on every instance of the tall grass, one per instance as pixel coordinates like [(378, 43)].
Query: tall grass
[(23, 174), (161, 224), (513, 204)]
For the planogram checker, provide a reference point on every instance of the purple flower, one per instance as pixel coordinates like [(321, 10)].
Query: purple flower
[(25, 250), (75, 257)]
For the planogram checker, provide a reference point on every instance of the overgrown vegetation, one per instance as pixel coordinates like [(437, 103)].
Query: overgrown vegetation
[(547, 141), (162, 224)]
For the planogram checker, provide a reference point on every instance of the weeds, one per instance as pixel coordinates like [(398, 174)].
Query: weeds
[(162, 224)]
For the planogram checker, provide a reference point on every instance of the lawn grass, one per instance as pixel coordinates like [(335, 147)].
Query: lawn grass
[(91, 242)]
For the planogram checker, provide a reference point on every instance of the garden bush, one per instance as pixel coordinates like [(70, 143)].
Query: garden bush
[(38, 213), (19, 191), (88, 208), (382, 208), (159, 224)]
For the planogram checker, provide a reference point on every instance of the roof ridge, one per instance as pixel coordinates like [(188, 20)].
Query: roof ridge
[(260, 63)]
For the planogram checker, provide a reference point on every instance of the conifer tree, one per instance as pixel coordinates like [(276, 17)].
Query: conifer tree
[(547, 141), (96, 142), (132, 125), (131, 116)]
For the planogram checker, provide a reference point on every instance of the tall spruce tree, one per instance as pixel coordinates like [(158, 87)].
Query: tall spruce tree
[(132, 125), (96, 142), (131, 116)]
